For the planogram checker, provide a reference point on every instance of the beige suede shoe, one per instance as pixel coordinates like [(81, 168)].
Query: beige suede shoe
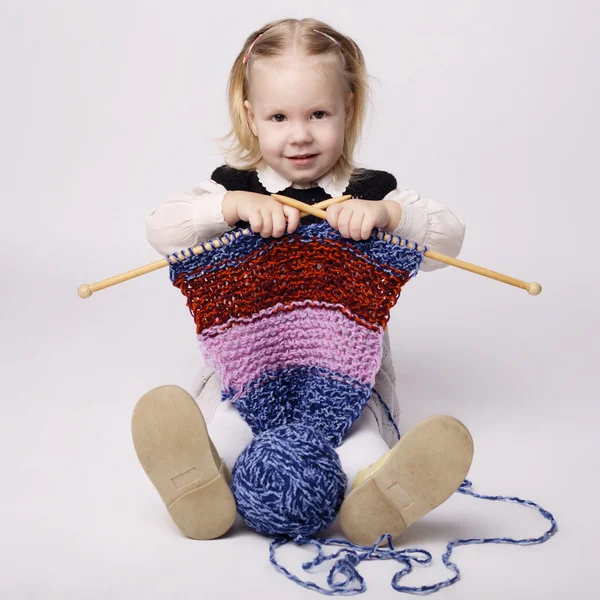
[(173, 446), (424, 468)]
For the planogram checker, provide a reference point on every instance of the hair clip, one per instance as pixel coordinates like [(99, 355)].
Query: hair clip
[(332, 39), (250, 49)]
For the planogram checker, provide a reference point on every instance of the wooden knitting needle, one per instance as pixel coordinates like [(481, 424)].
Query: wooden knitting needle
[(86, 290), (532, 288), (314, 209), (320, 205)]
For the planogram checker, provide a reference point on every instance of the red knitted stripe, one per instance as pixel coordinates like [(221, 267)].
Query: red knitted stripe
[(289, 272)]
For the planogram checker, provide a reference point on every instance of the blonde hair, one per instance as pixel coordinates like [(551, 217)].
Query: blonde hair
[(276, 38)]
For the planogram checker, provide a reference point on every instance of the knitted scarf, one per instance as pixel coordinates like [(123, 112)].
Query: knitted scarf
[(295, 325)]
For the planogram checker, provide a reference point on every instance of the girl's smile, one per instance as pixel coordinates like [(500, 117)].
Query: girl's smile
[(303, 160)]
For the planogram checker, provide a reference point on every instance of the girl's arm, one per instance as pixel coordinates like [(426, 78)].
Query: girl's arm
[(428, 223), (184, 220)]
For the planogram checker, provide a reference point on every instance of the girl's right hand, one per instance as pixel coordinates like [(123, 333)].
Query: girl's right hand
[(266, 215)]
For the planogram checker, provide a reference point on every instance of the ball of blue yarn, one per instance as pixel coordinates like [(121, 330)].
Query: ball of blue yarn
[(288, 481)]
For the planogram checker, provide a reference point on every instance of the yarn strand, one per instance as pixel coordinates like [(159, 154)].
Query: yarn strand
[(351, 555), (348, 558)]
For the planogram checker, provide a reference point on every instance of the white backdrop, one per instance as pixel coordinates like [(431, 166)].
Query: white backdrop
[(489, 107)]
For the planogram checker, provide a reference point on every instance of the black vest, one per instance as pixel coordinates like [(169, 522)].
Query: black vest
[(372, 185)]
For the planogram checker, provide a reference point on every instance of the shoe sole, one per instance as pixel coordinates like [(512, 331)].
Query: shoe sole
[(424, 468), (175, 450)]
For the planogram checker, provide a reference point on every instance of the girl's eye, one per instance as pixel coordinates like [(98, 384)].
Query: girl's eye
[(318, 114)]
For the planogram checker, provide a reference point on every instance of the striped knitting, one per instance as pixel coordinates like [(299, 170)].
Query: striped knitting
[(295, 325)]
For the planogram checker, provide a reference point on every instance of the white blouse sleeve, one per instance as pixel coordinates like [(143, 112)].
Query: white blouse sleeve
[(185, 219), (429, 223)]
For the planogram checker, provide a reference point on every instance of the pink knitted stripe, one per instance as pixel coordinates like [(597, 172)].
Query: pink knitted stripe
[(303, 337)]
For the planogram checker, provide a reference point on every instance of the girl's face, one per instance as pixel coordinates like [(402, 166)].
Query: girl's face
[(298, 107)]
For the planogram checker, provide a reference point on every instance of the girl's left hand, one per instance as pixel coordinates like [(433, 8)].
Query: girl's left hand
[(356, 218)]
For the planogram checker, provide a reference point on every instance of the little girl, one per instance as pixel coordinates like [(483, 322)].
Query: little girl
[(297, 98)]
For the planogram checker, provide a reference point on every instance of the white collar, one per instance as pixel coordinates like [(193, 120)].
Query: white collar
[(273, 182)]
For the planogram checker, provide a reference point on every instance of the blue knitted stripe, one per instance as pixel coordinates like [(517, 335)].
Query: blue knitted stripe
[(327, 402), (381, 254)]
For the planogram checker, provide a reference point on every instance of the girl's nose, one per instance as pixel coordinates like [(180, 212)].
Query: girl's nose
[(300, 133)]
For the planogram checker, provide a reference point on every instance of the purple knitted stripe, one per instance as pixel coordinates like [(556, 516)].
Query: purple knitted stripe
[(302, 337)]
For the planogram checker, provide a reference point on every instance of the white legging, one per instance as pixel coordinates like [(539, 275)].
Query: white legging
[(362, 446)]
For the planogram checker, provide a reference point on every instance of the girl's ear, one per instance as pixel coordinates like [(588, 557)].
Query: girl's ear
[(349, 108), (250, 117)]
